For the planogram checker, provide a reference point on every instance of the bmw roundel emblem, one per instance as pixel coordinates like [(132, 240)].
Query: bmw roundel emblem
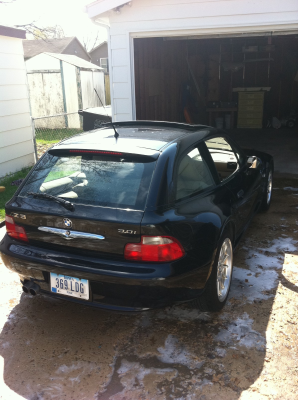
[(67, 222)]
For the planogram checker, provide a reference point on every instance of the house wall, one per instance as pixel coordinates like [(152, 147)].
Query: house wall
[(97, 54), (16, 136), (158, 18), (75, 48)]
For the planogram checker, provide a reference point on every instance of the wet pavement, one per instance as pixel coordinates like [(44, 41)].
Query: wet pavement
[(51, 349)]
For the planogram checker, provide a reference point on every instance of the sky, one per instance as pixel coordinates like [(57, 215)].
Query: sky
[(69, 14)]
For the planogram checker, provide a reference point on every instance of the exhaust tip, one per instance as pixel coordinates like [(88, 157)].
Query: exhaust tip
[(26, 286), (25, 289), (34, 289), (31, 288)]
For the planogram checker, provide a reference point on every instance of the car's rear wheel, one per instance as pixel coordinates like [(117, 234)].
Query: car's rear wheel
[(267, 196), (218, 285)]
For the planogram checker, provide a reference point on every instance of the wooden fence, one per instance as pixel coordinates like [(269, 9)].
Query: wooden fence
[(107, 89)]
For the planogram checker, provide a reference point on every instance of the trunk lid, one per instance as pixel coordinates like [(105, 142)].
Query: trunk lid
[(46, 227), (108, 192)]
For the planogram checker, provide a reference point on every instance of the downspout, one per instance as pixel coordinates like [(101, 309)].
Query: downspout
[(107, 27)]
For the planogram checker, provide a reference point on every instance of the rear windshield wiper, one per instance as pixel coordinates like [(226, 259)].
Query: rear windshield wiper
[(67, 204)]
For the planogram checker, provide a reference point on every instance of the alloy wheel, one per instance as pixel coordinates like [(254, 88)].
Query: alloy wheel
[(269, 187), (224, 269)]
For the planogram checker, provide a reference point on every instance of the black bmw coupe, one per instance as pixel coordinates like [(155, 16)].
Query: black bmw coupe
[(136, 215)]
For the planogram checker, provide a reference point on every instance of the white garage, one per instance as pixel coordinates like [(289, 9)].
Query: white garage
[(219, 47)]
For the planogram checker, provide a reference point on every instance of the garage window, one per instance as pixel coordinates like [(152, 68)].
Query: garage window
[(226, 160)]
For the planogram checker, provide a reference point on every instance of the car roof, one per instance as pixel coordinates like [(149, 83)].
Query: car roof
[(135, 136)]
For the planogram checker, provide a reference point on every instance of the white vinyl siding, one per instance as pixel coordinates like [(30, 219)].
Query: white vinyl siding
[(12, 107), (164, 18), (15, 92), (16, 137)]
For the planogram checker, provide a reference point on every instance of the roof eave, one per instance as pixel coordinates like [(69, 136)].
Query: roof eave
[(97, 47), (91, 67), (101, 6), (12, 32)]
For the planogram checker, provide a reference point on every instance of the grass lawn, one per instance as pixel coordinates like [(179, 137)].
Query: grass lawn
[(10, 190), (51, 136)]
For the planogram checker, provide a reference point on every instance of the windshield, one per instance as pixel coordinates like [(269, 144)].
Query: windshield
[(93, 180)]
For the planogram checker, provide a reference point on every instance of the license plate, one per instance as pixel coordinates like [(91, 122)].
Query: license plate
[(70, 286)]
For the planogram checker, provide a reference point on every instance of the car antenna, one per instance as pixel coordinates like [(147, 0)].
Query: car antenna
[(116, 135)]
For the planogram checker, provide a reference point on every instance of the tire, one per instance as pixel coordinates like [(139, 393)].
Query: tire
[(267, 196), (213, 299)]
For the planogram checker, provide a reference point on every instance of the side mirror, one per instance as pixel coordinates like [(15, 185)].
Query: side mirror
[(253, 162)]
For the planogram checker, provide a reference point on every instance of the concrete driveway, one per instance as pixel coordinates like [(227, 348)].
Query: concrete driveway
[(51, 349)]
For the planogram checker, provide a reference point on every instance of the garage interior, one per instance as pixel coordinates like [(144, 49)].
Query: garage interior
[(245, 85)]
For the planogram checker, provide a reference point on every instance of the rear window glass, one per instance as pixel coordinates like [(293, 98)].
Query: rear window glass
[(93, 179)]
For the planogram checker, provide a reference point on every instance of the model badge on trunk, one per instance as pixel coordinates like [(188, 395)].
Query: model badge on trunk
[(129, 232), (15, 215), (67, 222)]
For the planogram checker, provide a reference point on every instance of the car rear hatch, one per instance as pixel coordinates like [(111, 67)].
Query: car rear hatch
[(107, 191)]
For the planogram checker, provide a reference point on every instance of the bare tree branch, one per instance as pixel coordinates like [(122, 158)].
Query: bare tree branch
[(91, 41), (43, 33)]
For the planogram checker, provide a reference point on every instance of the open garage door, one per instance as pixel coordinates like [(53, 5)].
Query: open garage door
[(248, 85), (182, 79)]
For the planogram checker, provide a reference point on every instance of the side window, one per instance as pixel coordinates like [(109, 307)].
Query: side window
[(104, 63), (225, 159), (193, 175)]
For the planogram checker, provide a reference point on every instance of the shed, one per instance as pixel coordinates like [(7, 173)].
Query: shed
[(65, 45), (62, 83), (16, 134), (215, 46)]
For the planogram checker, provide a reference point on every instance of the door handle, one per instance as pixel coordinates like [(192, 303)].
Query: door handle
[(240, 194)]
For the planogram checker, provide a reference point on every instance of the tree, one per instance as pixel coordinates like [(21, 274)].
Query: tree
[(43, 33), (36, 31), (91, 40)]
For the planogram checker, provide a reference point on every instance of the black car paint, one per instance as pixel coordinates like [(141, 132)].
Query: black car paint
[(197, 222)]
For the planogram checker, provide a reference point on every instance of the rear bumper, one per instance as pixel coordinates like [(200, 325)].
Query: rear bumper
[(114, 284)]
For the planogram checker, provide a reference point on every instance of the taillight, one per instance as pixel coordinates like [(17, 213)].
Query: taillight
[(15, 231), (154, 249)]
